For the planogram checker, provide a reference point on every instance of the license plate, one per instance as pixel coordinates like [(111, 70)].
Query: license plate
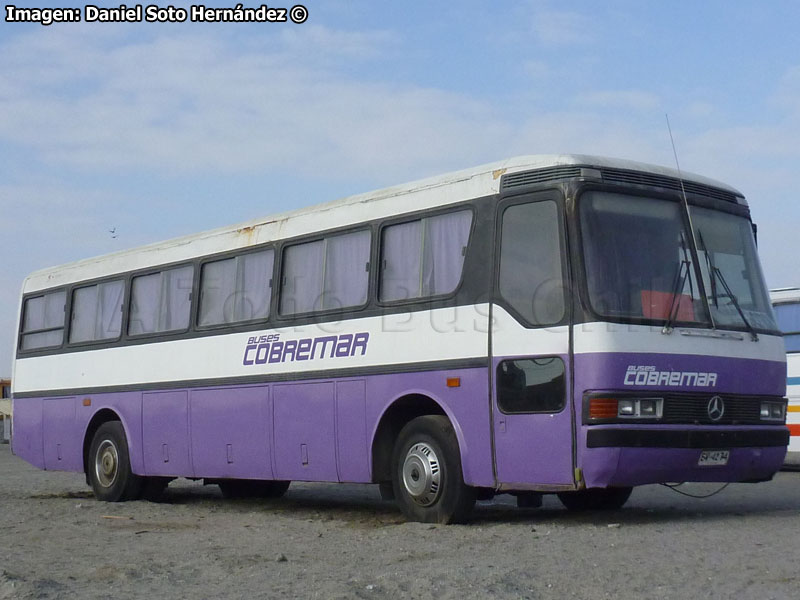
[(713, 458)]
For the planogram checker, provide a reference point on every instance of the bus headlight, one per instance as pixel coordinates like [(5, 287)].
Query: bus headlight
[(626, 408), (604, 408), (641, 408), (773, 411), (650, 407)]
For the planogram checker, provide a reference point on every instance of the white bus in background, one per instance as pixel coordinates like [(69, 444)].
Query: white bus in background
[(5, 411), (786, 303)]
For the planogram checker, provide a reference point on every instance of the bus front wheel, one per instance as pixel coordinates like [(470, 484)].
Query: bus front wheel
[(109, 465), (426, 472), (596, 498)]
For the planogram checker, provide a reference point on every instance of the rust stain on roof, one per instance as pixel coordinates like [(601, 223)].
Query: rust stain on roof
[(248, 233)]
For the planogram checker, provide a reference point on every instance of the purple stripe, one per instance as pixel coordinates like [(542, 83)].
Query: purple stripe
[(609, 371), (258, 430)]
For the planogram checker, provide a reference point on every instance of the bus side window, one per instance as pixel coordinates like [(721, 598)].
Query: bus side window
[(43, 321), (236, 289), (425, 257), (161, 301), (97, 312), (326, 274), (530, 262), (531, 385)]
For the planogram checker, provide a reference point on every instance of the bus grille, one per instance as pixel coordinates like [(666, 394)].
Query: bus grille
[(670, 183), (610, 175), (516, 180), (691, 408)]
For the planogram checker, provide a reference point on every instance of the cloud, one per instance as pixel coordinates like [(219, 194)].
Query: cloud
[(536, 69), (623, 99), (700, 109), (787, 95), (329, 44), (559, 28), (191, 103)]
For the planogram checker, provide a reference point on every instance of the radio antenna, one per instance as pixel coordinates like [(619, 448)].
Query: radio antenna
[(680, 178), (688, 212)]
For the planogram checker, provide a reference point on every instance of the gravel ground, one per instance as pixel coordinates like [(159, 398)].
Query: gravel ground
[(342, 541)]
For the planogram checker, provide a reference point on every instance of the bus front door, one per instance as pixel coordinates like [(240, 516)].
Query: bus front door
[(530, 346), (532, 424)]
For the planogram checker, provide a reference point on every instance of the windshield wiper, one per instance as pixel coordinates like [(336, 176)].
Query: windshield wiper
[(716, 275), (677, 288)]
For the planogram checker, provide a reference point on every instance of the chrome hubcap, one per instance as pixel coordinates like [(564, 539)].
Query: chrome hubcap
[(106, 463), (421, 474)]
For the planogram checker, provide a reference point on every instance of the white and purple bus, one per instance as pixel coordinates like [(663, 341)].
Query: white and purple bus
[(786, 304), (548, 324)]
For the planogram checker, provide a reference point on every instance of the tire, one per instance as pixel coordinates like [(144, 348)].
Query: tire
[(426, 473), (611, 498), (109, 465), (252, 488)]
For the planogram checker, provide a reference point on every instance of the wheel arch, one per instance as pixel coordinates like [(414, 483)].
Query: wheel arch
[(104, 415), (395, 416)]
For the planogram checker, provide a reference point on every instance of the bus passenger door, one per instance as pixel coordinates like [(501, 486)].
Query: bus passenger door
[(530, 345)]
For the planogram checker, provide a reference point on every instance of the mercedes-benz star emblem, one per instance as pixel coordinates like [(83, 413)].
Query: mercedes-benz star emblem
[(716, 408)]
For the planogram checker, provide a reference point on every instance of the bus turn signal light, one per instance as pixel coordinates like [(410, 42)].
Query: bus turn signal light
[(603, 408), (454, 382)]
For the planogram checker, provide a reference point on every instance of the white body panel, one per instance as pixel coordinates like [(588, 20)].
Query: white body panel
[(512, 339), (404, 338), (590, 338), (613, 337), (443, 334)]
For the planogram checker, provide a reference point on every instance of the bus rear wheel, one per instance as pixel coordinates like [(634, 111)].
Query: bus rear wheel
[(596, 498), (109, 465), (426, 472)]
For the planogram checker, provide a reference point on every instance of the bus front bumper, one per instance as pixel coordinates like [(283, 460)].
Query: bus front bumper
[(619, 456)]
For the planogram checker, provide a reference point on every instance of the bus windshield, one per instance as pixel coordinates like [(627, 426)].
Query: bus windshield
[(639, 264), (727, 255), (638, 258)]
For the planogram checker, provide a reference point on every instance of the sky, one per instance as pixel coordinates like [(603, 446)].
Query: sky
[(157, 130)]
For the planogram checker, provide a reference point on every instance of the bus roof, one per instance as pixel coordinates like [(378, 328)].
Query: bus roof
[(441, 190), (786, 294)]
